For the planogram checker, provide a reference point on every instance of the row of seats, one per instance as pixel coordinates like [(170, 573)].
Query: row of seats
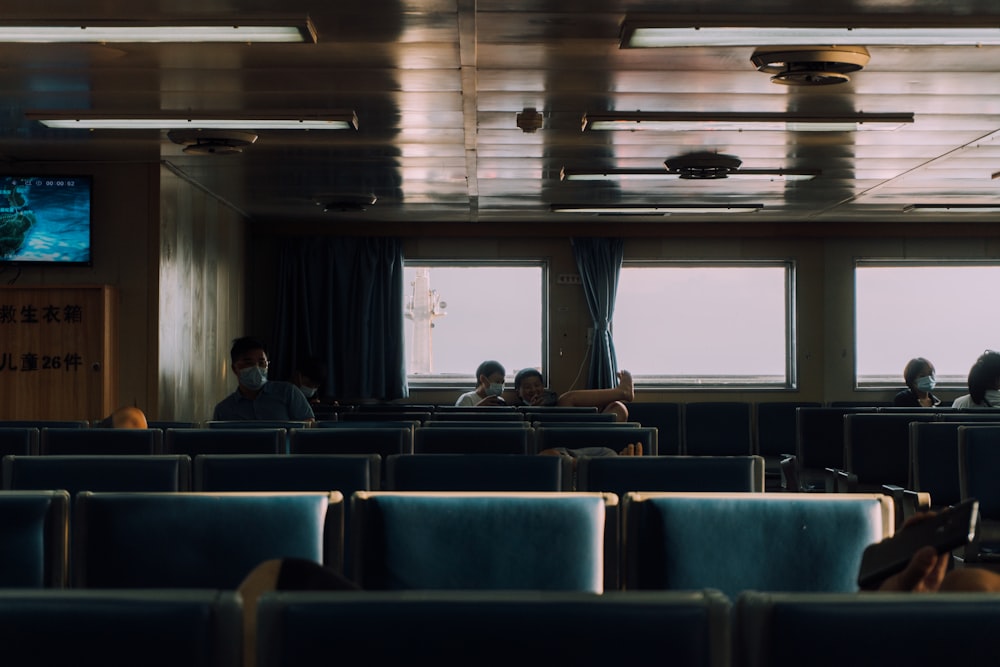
[(692, 628), (587, 542)]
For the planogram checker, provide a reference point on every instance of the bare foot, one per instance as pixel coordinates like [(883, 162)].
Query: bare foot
[(632, 450), (625, 385)]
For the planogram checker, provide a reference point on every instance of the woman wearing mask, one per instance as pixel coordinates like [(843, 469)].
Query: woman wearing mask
[(984, 383), (920, 381)]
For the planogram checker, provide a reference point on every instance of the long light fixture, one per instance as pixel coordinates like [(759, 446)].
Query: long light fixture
[(623, 174), (243, 29), (681, 121), (642, 209), (88, 120), (651, 31), (954, 208)]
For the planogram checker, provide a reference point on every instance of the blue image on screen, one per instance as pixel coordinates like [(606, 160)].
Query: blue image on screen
[(45, 219)]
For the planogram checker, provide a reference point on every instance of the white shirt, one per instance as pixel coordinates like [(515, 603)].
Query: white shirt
[(469, 399), (991, 400)]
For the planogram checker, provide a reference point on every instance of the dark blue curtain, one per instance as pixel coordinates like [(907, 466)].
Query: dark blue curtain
[(341, 299), (600, 262)]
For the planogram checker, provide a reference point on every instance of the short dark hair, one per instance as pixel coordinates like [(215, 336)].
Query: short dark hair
[(526, 373), (245, 344), (488, 368), (313, 368), (913, 368), (984, 375)]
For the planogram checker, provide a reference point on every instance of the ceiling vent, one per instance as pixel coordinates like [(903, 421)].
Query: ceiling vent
[(703, 166), (212, 142), (810, 65)]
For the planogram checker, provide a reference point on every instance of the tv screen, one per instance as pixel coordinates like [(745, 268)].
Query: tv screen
[(45, 219)]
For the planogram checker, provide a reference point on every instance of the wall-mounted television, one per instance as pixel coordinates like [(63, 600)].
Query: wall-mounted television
[(45, 220)]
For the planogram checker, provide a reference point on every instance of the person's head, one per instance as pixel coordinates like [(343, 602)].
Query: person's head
[(250, 362), (919, 375), (125, 417), (984, 375), (490, 376), (309, 375), (528, 383)]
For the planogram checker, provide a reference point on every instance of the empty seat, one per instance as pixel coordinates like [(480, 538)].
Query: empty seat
[(596, 435), (477, 414), (572, 417), (775, 429), (165, 424), (819, 442), (346, 473), (44, 423), (18, 440), (491, 540), (978, 471), (467, 423), (491, 628), (196, 441), (718, 428), (382, 439), (478, 472), (751, 541), (934, 461), (877, 448), (474, 440), (33, 539), (98, 472), (401, 415), (665, 417), (120, 628), (828, 630), (68, 441), (621, 474), (196, 540), (256, 423)]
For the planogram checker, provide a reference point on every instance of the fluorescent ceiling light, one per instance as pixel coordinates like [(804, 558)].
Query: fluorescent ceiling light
[(664, 175), (668, 31), (657, 210), (954, 208), (680, 121), (86, 120), (123, 31)]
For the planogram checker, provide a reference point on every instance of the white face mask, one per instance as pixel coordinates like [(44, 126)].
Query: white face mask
[(926, 383), (308, 392), (495, 389), (253, 377)]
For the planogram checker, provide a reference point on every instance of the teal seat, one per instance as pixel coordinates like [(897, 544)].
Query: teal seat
[(33, 542), (751, 541)]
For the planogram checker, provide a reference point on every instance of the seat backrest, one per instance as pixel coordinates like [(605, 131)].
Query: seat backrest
[(493, 628), (44, 423), (196, 441), (195, 540), (478, 472), (474, 440), (596, 435), (621, 474), (492, 540), (256, 423), (572, 417), (467, 423), (402, 415), (346, 473), (98, 472), (665, 417), (384, 440), (751, 541), (776, 426), (719, 428), (791, 629), (70, 441), (979, 468), (934, 460), (473, 414), (877, 447), (33, 539), (18, 440), (159, 628), (819, 436)]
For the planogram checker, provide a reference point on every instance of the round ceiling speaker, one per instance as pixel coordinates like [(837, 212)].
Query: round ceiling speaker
[(810, 65)]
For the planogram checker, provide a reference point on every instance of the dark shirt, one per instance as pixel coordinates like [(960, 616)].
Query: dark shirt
[(277, 401), (549, 397), (907, 399)]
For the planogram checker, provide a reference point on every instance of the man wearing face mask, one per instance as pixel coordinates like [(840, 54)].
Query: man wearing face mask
[(256, 397), (489, 388), (920, 380)]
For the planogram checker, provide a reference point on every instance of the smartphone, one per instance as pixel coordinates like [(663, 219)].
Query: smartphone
[(948, 529)]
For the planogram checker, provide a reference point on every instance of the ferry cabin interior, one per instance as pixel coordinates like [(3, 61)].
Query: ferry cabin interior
[(474, 121)]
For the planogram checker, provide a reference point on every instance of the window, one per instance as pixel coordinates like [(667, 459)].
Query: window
[(938, 310), (706, 324), (459, 315)]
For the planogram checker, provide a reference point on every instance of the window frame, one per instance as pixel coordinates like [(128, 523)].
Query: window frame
[(732, 383)]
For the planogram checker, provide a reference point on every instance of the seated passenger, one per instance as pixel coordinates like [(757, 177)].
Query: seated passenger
[(919, 376), (529, 387), (309, 376), (255, 397), (125, 417), (984, 383), (489, 386)]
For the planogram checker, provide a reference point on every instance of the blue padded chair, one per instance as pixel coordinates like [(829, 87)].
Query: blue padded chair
[(832, 630), (529, 411), (160, 628), (934, 461), (477, 414), (33, 539), (467, 423), (346, 473), (775, 432), (490, 540), (573, 417), (70, 441), (18, 440), (736, 542), (256, 423), (163, 425), (478, 472), (44, 423), (382, 439), (718, 428), (196, 540), (596, 435), (665, 417), (196, 441), (98, 472), (819, 443), (978, 471), (877, 449), (496, 439), (621, 474), (493, 628), (402, 415)]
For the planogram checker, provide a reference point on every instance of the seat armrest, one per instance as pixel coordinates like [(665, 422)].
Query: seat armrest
[(841, 481)]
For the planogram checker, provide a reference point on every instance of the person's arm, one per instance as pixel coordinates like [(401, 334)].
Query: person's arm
[(298, 407)]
